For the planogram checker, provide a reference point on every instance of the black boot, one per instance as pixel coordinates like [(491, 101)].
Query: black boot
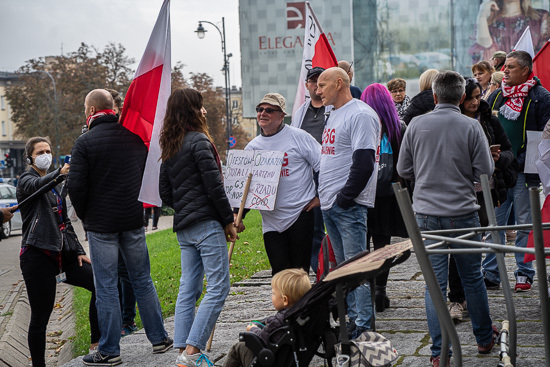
[(381, 301)]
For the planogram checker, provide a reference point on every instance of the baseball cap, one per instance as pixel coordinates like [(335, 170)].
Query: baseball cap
[(499, 55), (314, 71), (274, 99)]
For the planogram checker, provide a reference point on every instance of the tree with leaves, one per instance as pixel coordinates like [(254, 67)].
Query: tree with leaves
[(39, 109), (214, 103)]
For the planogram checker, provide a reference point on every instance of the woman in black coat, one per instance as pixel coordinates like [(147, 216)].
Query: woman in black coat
[(44, 257)]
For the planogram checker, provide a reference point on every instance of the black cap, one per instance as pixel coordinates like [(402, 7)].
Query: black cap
[(315, 71)]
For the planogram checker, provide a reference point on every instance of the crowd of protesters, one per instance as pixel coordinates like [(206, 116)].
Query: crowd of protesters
[(343, 151)]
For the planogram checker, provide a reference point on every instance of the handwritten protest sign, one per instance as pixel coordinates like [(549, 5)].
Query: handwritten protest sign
[(265, 167), (532, 154)]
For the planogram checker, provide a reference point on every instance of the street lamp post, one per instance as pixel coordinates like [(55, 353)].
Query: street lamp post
[(56, 155), (201, 33)]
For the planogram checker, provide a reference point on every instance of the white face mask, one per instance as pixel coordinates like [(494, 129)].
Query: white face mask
[(43, 162)]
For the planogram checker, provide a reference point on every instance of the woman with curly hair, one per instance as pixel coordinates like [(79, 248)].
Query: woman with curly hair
[(191, 183)]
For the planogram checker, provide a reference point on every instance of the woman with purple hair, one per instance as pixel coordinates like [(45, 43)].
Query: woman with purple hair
[(384, 220)]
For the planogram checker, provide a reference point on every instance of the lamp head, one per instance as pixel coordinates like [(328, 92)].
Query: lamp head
[(200, 31)]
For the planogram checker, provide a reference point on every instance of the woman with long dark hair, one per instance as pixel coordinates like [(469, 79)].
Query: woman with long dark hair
[(191, 183), (384, 220), (45, 258)]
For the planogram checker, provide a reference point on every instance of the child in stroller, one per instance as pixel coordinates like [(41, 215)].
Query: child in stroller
[(312, 321), (287, 287)]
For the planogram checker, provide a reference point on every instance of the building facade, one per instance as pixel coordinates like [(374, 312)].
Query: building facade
[(385, 39), (11, 149)]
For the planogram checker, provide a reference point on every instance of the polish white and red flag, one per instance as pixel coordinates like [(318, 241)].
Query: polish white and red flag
[(541, 65), (317, 52), (145, 102), (525, 43)]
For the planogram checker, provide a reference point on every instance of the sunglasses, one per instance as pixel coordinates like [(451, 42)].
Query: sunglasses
[(267, 110)]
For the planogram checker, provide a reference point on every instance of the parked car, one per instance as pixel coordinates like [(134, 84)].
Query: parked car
[(7, 199)]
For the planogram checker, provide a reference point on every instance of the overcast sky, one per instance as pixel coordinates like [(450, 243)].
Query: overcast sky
[(36, 28)]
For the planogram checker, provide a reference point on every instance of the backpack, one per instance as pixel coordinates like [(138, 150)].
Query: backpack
[(385, 168)]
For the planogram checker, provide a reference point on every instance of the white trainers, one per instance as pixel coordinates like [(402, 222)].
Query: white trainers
[(193, 360), (457, 310)]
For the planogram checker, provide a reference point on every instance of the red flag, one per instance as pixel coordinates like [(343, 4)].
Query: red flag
[(317, 52), (545, 216), (145, 102), (541, 65)]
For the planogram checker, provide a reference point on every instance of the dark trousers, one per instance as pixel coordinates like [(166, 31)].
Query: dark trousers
[(318, 235), (291, 248), (156, 216), (39, 272), (378, 242), (239, 356), (126, 293)]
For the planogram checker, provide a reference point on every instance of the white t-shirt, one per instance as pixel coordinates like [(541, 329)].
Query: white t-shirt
[(296, 186), (353, 126)]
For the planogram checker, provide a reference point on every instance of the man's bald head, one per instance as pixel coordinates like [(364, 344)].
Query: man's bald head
[(347, 67), (100, 99), (333, 87)]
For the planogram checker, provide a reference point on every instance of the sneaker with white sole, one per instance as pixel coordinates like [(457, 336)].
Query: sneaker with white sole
[(456, 310), (98, 359), (523, 283), (163, 346), (193, 360)]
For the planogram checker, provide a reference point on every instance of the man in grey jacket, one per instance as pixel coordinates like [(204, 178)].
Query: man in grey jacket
[(444, 152)]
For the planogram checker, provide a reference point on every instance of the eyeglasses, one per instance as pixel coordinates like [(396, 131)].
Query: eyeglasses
[(350, 65), (398, 91), (267, 110)]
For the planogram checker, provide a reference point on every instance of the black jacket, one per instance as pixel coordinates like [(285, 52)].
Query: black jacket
[(538, 113), (422, 103), (107, 166), (40, 217), (191, 183), (505, 174)]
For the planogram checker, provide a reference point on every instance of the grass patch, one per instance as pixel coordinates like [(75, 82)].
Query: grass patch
[(249, 257)]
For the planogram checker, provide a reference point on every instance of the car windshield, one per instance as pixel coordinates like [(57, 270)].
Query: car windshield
[(7, 193)]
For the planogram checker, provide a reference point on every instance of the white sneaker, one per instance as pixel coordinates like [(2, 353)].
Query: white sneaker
[(193, 360), (457, 310)]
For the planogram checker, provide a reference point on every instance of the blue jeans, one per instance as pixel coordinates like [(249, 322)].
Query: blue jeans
[(203, 252), (347, 230), (468, 266), (519, 197), (104, 250)]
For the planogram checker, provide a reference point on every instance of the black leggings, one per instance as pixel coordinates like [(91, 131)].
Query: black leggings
[(291, 248), (156, 216), (39, 271)]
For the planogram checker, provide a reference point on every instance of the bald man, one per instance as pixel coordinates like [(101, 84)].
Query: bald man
[(348, 68), (347, 178), (106, 170)]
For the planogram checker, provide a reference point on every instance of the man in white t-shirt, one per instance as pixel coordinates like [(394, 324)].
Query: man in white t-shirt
[(347, 178), (288, 228)]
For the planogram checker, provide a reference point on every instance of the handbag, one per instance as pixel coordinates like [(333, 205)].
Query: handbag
[(71, 245), (369, 349)]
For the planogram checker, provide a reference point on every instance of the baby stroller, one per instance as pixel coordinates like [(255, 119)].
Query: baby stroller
[(310, 324)]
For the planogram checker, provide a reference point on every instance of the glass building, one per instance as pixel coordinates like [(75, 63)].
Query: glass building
[(385, 39)]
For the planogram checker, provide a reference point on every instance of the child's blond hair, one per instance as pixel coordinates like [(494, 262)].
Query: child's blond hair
[(292, 283)]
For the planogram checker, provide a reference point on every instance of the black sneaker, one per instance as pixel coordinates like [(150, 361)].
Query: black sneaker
[(98, 359), (163, 346), (491, 285)]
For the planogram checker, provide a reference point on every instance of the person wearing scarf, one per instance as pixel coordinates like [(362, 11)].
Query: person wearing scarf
[(522, 104)]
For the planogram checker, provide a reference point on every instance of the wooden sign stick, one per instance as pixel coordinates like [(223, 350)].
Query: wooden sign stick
[(232, 244)]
